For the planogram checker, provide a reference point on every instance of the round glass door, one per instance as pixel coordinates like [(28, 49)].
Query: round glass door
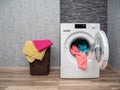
[(101, 49)]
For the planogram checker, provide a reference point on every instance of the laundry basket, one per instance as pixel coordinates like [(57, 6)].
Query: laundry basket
[(41, 67)]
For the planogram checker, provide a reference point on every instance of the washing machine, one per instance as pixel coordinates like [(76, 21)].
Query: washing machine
[(97, 45)]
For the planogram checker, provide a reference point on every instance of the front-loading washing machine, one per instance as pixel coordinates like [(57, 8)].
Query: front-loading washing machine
[(97, 45)]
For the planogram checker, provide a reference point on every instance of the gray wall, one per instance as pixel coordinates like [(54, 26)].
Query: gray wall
[(114, 32), (22, 20), (84, 11)]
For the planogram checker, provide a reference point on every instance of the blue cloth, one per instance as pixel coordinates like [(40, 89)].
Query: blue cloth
[(83, 46)]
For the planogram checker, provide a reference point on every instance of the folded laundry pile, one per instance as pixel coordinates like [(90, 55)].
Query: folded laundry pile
[(80, 57), (35, 50), (42, 44)]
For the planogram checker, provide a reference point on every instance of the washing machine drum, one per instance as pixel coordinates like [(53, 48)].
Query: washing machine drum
[(82, 45), (99, 46)]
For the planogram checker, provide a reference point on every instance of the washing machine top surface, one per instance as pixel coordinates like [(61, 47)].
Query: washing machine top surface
[(78, 26), (88, 28)]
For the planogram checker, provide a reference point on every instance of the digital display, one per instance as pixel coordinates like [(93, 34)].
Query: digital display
[(80, 25)]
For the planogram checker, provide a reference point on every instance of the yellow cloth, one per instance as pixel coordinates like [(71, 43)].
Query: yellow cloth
[(32, 53)]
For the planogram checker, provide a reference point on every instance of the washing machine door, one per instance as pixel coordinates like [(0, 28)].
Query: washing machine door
[(101, 49)]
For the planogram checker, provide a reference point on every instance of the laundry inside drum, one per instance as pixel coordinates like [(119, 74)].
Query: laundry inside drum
[(81, 44)]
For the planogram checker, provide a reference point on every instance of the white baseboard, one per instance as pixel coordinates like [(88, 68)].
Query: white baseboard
[(113, 68), (24, 67), (54, 67)]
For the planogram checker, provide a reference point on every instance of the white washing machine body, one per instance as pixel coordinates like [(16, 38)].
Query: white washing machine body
[(97, 41)]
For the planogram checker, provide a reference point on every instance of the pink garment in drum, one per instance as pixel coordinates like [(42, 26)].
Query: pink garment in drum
[(80, 57)]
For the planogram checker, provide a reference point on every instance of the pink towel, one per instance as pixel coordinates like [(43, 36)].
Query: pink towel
[(80, 57), (42, 44)]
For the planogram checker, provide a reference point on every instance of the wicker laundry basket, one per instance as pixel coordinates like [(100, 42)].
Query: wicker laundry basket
[(41, 67)]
